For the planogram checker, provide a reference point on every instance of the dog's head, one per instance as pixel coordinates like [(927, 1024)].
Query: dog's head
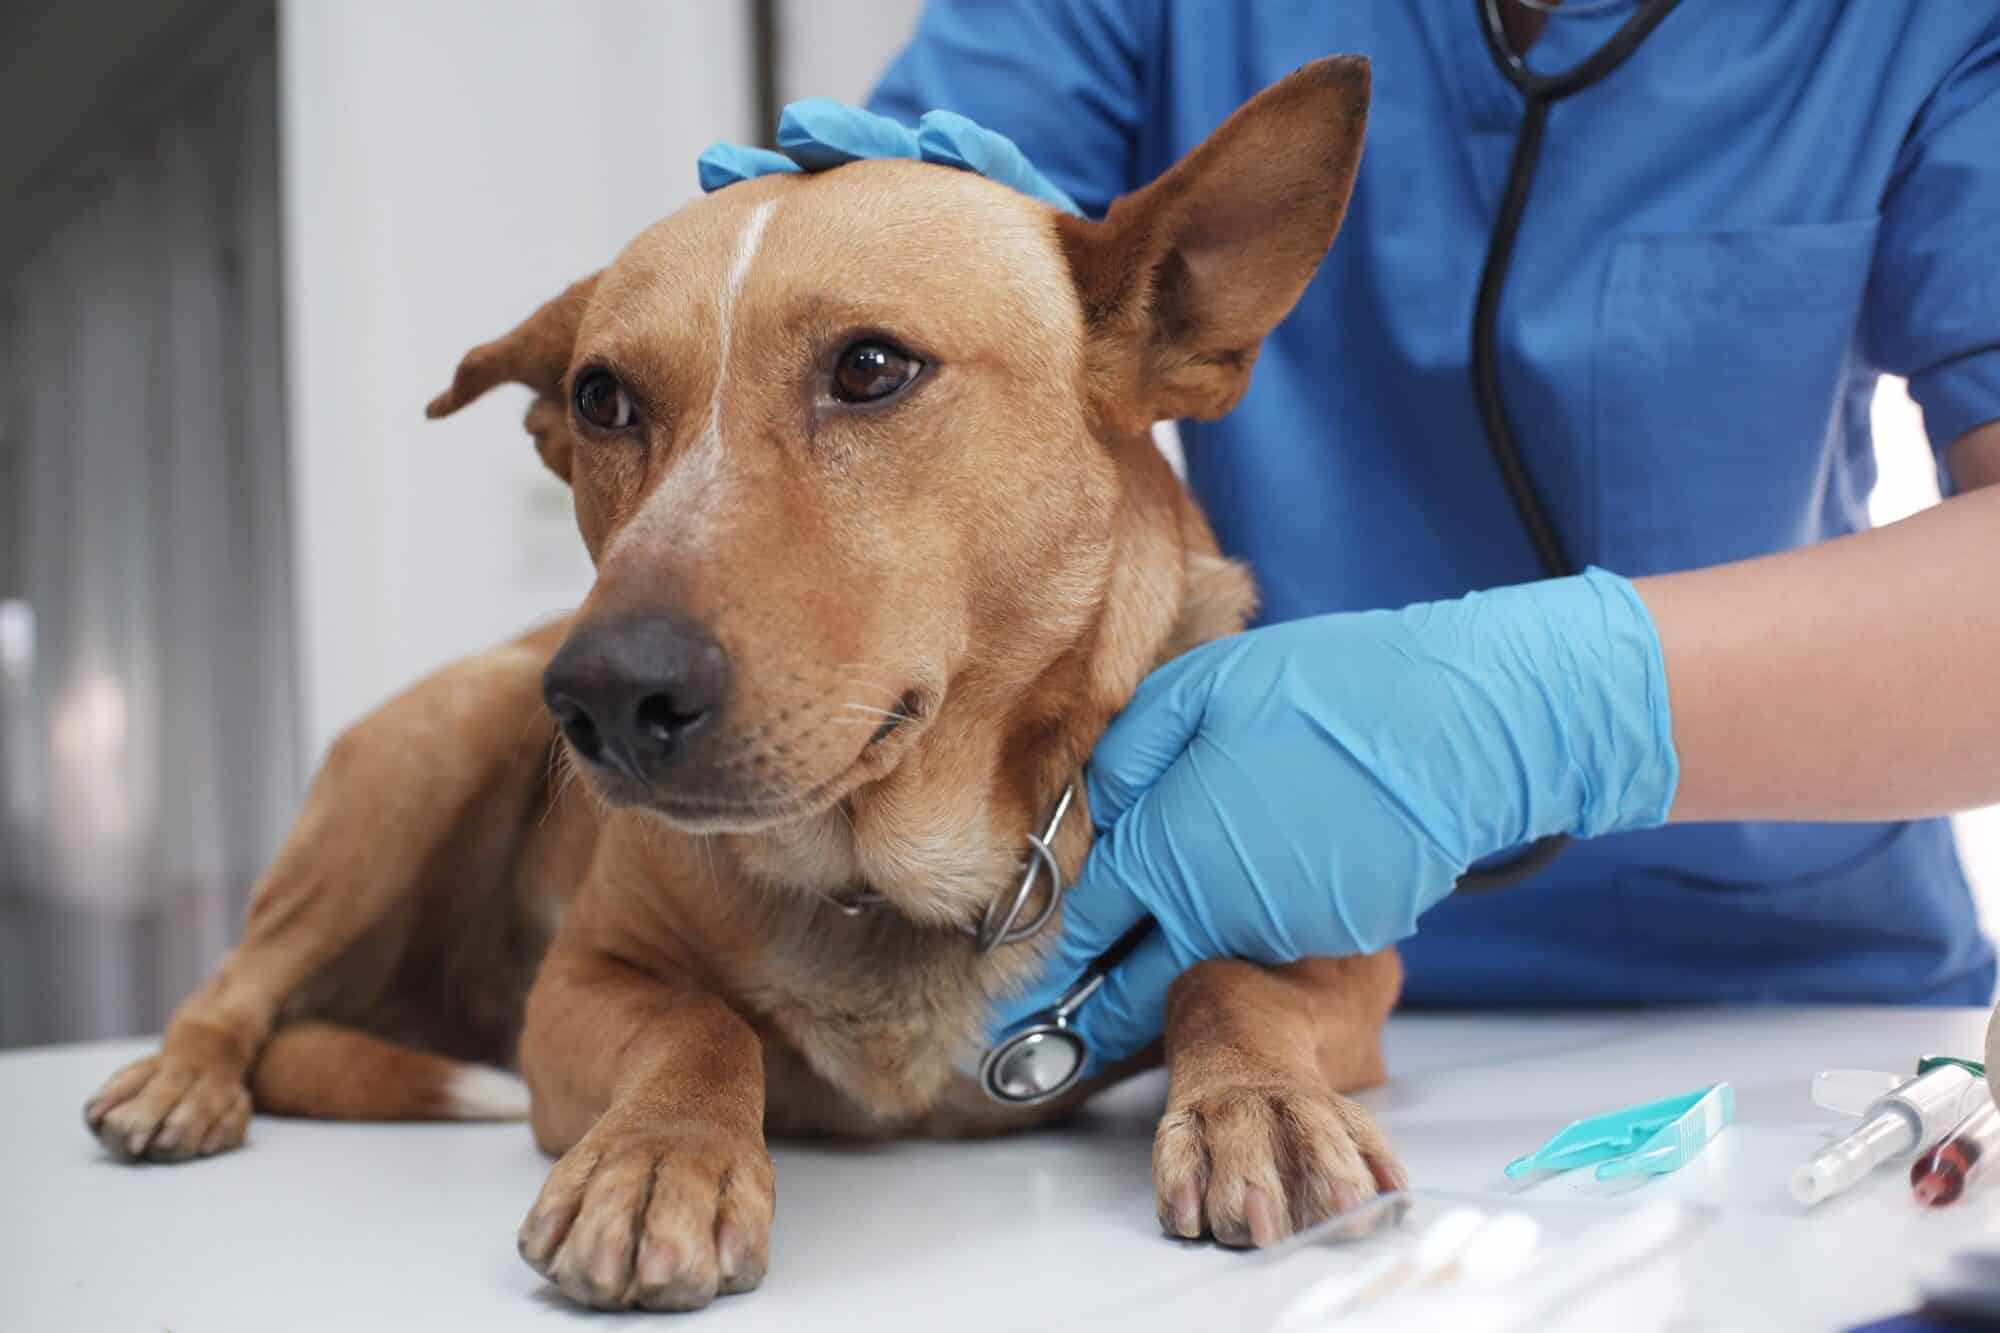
[(848, 446)]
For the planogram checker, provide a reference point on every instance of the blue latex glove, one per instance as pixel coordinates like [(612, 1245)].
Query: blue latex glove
[(817, 134), (1307, 789)]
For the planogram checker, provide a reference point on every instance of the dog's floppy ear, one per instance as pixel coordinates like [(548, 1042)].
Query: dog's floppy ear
[(536, 353), (1182, 279)]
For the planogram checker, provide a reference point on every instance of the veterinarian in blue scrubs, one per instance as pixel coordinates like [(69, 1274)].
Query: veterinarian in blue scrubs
[(1729, 238)]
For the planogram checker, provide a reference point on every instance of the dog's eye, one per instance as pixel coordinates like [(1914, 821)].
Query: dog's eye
[(868, 372), (602, 401)]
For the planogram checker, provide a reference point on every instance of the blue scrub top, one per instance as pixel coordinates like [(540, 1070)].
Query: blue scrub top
[(1728, 239)]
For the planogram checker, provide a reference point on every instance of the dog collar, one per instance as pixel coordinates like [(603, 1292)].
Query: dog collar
[(1002, 922)]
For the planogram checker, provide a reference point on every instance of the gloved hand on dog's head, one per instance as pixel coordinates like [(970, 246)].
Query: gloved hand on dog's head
[(817, 134)]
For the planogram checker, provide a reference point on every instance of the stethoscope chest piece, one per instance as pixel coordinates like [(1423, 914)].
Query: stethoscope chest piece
[(1040, 1061), (1045, 1056)]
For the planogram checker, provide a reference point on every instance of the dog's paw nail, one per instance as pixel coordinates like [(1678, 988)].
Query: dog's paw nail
[(658, 1263), (539, 1236), (1185, 1203), (732, 1247), (1261, 1213), (1230, 1231)]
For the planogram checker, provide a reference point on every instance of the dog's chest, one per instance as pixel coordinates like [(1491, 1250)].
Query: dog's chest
[(869, 1015), (866, 1024)]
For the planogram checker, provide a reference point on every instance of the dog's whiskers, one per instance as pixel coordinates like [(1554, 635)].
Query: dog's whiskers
[(557, 774), (707, 842), (870, 709)]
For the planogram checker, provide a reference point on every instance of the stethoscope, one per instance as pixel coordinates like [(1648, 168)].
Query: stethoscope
[(1045, 1056)]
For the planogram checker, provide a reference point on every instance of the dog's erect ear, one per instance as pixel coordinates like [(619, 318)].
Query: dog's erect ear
[(1182, 279), (536, 354)]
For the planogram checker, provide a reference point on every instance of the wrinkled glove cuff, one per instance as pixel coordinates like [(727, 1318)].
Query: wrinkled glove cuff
[(1622, 741)]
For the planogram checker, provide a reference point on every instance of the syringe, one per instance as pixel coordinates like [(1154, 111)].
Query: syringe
[(1941, 1175), (1917, 1113)]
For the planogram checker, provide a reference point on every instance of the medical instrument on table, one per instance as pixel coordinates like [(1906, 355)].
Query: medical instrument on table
[(1652, 1138), (1917, 1112), (1475, 1270), (1464, 1244), (1941, 1175), (1539, 92), (1853, 1091)]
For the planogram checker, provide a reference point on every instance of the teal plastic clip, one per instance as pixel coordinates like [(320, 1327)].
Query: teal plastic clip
[(1653, 1138)]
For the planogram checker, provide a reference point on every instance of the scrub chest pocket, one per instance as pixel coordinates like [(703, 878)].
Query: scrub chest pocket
[(1722, 363)]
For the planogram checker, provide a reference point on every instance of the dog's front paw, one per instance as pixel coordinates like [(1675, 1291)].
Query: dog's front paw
[(662, 1220), (1250, 1165), (166, 1108)]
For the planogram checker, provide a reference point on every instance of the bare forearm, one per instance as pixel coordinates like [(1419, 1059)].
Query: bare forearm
[(1975, 458), (1857, 679)]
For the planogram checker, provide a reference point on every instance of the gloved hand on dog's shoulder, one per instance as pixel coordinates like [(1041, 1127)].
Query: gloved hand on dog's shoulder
[(1308, 789)]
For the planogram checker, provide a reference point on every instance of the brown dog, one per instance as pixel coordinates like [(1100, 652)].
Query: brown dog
[(882, 543)]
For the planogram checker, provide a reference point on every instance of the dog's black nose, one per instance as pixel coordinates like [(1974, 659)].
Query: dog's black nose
[(627, 694)]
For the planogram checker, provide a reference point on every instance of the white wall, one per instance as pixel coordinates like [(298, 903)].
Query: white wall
[(447, 166), (826, 52)]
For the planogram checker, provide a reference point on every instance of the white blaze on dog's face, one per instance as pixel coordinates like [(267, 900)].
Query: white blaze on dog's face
[(848, 445), (835, 422)]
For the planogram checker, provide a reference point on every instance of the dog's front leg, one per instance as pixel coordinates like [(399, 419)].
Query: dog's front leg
[(1257, 1140), (653, 1092)]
